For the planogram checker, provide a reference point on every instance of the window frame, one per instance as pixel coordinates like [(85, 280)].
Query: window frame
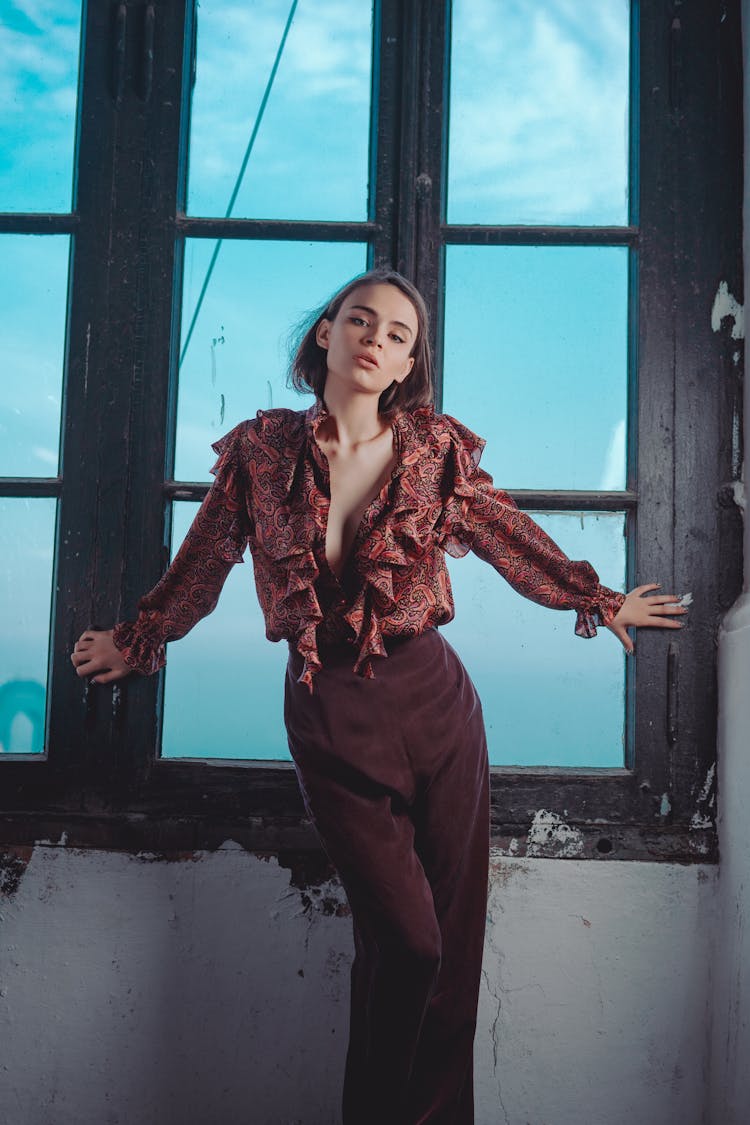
[(100, 782)]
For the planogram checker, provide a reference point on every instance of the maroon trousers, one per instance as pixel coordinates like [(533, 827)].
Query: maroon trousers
[(394, 775)]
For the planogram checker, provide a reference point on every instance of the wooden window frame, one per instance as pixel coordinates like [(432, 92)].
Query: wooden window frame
[(100, 782)]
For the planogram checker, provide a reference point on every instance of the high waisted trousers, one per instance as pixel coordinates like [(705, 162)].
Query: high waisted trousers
[(394, 775)]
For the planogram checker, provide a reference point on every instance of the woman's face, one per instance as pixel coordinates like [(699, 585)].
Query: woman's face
[(370, 339)]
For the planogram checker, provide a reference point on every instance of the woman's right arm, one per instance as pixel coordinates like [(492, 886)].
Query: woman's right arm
[(188, 591)]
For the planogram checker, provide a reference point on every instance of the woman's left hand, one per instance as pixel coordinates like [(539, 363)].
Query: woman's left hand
[(656, 610)]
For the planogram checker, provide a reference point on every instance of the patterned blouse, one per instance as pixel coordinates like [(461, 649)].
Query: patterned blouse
[(271, 492)]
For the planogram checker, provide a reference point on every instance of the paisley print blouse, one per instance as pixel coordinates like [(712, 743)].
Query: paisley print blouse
[(271, 492)]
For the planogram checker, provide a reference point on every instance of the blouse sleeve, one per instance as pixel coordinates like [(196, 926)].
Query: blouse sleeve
[(190, 588), (484, 519)]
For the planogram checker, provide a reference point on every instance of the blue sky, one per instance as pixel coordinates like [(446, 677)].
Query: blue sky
[(535, 347)]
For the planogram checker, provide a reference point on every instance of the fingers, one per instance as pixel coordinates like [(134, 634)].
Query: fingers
[(623, 637), (108, 677), (85, 665)]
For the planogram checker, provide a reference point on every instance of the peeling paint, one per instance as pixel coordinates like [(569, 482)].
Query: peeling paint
[(703, 817), (502, 872), (550, 836), (700, 820), (707, 784), (666, 805), (727, 307), (739, 494), (329, 899), (13, 866)]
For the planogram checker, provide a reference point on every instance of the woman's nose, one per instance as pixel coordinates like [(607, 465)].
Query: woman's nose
[(373, 336)]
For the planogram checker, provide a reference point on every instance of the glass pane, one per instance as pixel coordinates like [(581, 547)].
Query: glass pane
[(224, 681), (39, 43), (536, 361), (33, 295), (549, 697), (309, 146), (224, 689), (236, 356), (28, 532), (539, 112)]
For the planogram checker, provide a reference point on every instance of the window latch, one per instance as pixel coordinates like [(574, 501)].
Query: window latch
[(673, 668)]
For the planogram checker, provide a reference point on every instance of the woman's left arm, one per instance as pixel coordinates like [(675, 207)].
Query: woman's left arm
[(522, 552)]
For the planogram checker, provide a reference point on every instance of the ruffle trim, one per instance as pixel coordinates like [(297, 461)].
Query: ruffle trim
[(604, 607), (424, 439), (137, 650), (228, 477)]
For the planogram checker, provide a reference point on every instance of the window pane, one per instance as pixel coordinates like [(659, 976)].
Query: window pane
[(39, 44), (549, 697), (236, 357), (224, 681), (28, 530), (536, 361), (224, 689), (539, 112), (33, 294), (309, 157)]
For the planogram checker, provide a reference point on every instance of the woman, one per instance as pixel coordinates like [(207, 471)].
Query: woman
[(348, 508)]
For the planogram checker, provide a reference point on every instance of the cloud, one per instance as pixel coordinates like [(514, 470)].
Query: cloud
[(315, 131), (614, 463), (539, 112)]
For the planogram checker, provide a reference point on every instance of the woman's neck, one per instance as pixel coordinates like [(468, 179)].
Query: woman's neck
[(353, 419)]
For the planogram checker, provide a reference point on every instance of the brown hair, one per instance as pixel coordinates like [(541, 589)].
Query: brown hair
[(309, 366)]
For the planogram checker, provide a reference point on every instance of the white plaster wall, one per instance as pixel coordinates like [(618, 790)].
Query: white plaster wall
[(203, 991), (730, 1073)]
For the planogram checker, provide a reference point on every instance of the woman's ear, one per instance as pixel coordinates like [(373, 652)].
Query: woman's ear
[(322, 333), (409, 364)]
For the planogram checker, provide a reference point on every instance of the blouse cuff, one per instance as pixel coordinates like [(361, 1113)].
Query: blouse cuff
[(140, 654), (601, 611)]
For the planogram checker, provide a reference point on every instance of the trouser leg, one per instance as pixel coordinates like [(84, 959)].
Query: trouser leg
[(401, 806), (452, 841), (370, 841)]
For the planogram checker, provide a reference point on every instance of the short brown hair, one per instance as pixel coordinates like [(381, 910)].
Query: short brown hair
[(309, 367)]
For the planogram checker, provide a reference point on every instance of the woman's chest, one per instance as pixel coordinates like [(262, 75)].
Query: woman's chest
[(355, 483)]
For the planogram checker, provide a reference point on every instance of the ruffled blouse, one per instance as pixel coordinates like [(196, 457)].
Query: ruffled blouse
[(272, 492)]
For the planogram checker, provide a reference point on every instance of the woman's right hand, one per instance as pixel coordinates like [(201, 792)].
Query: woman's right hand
[(95, 654)]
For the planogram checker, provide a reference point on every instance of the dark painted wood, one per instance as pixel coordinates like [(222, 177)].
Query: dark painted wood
[(538, 236), (102, 780), (294, 230), (22, 223), (30, 486)]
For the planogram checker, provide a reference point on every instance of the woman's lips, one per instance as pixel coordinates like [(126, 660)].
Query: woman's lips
[(367, 360)]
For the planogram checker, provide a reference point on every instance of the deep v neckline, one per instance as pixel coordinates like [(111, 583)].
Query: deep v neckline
[(388, 477)]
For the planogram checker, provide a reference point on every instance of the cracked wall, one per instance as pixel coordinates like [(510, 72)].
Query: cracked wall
[(215, 987)]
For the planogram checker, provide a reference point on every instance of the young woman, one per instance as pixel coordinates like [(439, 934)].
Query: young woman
[(349, 508)]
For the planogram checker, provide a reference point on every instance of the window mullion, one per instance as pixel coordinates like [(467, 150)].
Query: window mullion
[(158, 126), (94, 438)]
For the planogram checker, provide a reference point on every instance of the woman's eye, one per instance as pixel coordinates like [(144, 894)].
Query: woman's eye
[(357, 320), (398, 339)]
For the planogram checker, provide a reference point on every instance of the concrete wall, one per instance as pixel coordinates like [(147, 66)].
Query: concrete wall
[(144, 992)]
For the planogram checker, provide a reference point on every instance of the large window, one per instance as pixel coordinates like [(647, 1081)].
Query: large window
[(545, 178)]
